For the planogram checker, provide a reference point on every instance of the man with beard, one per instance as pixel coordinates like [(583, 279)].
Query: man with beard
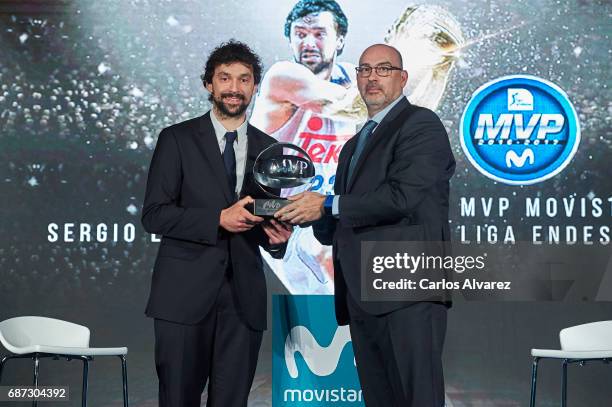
[(313, 102), (208, 292)]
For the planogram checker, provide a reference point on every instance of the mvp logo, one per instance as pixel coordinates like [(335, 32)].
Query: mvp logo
[(519, 130)]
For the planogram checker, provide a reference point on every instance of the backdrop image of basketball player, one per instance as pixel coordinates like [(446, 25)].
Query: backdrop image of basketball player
[(313, 102)]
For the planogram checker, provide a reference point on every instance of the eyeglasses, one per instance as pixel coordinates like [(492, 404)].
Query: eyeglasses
[(381, 70)]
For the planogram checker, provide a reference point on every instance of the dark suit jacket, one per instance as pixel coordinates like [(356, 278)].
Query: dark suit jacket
[(186, 190), (398, 192)]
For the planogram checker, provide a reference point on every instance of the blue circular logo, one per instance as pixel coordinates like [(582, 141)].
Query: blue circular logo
[(519, 130)]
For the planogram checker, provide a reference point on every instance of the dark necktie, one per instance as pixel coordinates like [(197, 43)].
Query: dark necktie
[(364, 134), (229, 159)]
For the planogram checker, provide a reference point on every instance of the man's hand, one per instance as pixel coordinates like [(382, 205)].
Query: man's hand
[(278, 232), (306, 207), (237, 219)]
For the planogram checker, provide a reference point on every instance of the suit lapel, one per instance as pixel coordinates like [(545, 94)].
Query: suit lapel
[(378, 135), (253, 150), (207, 142)]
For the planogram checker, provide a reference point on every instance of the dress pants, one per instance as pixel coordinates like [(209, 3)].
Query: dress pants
[(221, 349), (399, 354)]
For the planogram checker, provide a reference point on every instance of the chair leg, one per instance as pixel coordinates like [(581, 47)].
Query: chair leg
[(36, 371), (124, 380), (84, 391), (7, 357), (564, 384), (534, 380), (2, 362)]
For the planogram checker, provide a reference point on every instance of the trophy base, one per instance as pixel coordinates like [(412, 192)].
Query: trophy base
[(267, 207)]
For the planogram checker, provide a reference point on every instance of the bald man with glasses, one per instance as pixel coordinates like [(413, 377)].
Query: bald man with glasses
[(392, 184)]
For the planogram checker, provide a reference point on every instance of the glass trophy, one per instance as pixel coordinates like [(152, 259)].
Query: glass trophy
[(281, 169)]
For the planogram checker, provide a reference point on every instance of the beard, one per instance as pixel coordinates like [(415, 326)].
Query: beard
[(377, 99), (230, 110), (315, 67)]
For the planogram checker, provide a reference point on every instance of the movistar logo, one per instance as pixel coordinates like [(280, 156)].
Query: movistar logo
[(313, 363), (321, 360), (513, 159)]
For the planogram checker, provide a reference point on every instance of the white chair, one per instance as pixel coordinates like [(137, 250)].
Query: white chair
[(579, 344), (40, 337)]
